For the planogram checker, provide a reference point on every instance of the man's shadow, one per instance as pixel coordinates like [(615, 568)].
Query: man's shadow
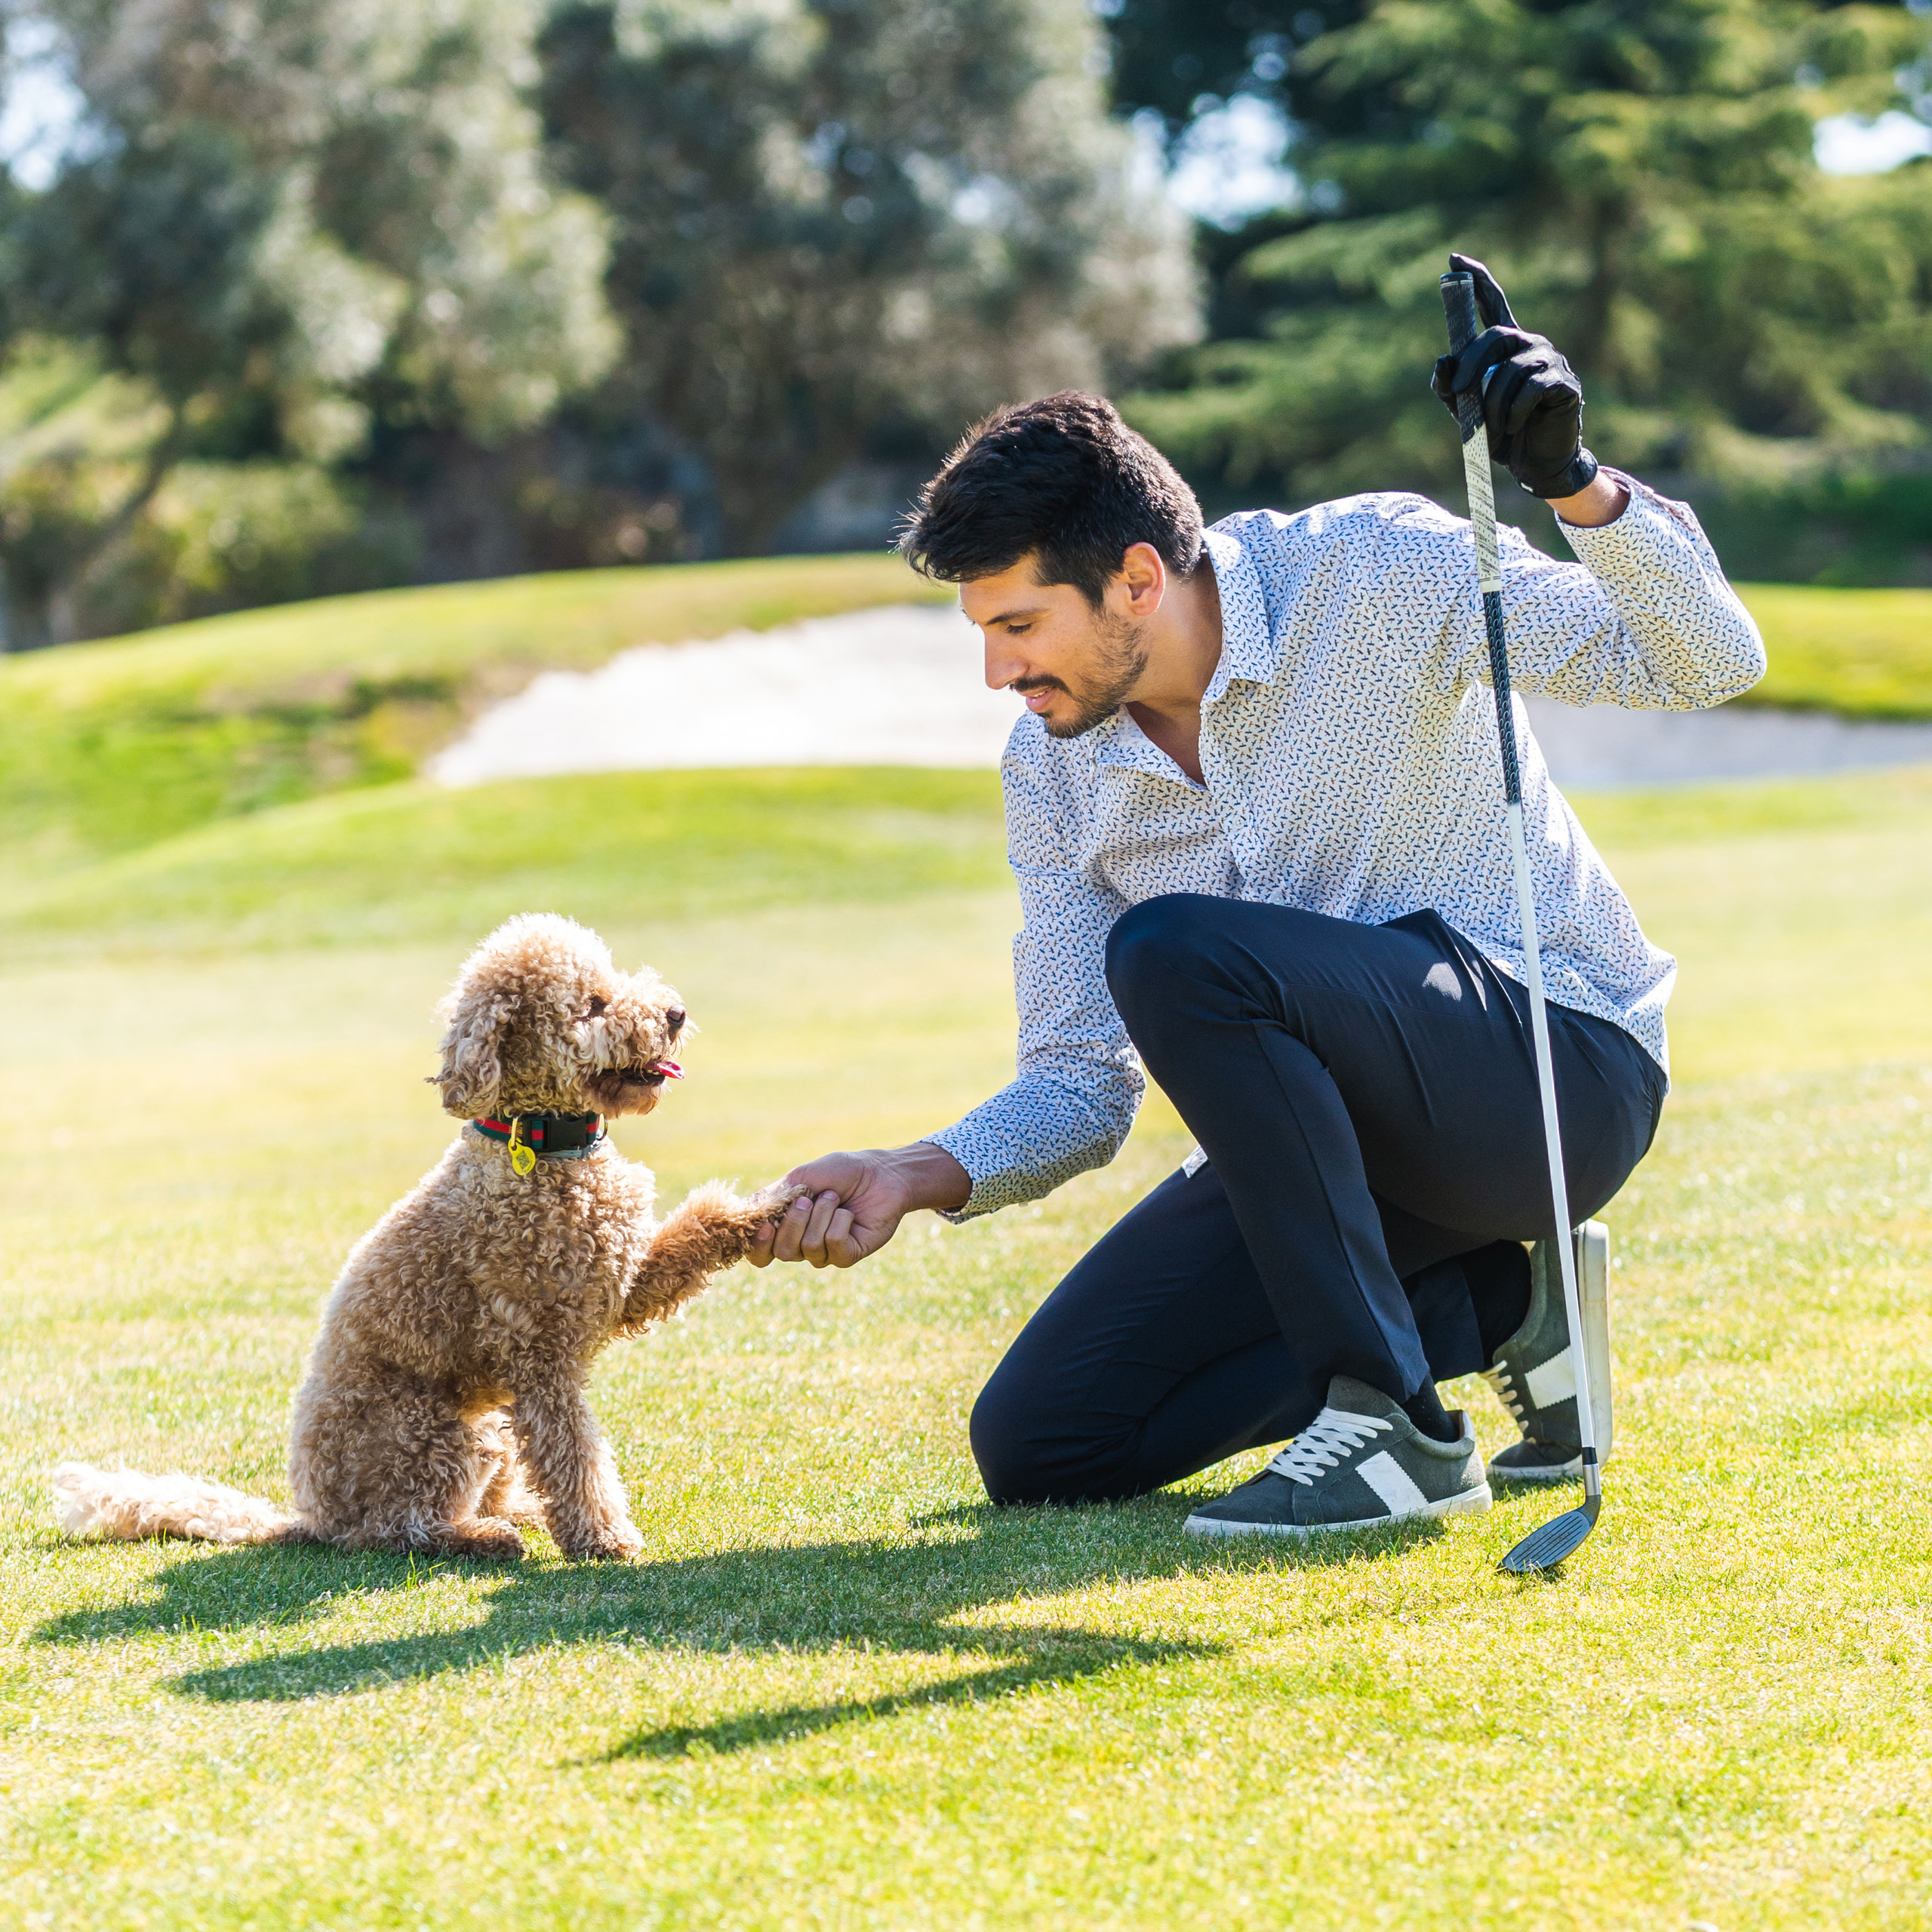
[(878, 1594)]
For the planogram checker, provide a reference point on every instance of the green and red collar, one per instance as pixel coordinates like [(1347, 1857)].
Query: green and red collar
[(531, 1137)]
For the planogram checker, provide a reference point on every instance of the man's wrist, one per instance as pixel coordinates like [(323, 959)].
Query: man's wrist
[(928, 1176), (1602, 503)]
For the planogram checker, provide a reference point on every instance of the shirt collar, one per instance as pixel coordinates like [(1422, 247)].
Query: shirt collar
[(1120, 741), (1249, 648)]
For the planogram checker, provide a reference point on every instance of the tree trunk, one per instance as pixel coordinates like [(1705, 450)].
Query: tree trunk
[(28, 607)]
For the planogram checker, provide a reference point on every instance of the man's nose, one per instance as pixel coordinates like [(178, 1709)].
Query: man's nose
[(1003, 667)]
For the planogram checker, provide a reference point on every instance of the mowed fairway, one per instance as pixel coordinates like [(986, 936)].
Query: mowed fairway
[(839, 1690)]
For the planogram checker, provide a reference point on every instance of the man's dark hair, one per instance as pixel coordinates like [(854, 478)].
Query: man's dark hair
[(1063, 479)]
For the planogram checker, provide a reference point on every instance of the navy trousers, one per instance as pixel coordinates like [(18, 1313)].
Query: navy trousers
[(1366, 1096)]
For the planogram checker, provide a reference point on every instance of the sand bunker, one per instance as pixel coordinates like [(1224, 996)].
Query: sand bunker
[(902, 685)]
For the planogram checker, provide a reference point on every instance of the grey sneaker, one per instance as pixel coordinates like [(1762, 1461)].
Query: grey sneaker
[(1534, 1376), (1361, 1464)]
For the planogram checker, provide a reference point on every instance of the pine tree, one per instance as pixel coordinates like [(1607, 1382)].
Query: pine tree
[(1640, 175)]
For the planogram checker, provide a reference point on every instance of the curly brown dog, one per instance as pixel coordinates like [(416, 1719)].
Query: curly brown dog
[(444, 1401)]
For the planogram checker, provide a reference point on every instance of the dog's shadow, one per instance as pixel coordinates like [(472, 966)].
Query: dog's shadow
[(894, 1594)]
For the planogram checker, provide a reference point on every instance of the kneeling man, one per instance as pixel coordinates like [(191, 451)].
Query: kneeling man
[(1256, 816)]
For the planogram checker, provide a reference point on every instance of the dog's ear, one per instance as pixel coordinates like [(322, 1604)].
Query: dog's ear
[(472, 1049)]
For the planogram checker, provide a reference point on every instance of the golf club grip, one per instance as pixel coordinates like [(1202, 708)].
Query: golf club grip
[(1459, 303), (1459, 300)]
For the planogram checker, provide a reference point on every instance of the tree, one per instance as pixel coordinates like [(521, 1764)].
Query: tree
[(280, 221), (1640, 173), (1175, 57), (831, 218)]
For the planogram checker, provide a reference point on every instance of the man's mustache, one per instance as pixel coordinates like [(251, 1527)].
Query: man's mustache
[(1025, 687)]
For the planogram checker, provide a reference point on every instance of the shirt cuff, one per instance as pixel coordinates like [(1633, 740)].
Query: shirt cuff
[(999, 1180), (1636, 527), (965, 1145), (1028, 1139)]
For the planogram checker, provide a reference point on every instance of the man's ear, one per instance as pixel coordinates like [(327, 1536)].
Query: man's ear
[(472, 1069), (1143, 575)]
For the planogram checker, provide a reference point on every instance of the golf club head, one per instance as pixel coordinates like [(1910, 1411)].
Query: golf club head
[(1544, 1548)]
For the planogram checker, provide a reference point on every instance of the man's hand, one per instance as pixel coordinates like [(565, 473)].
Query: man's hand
[(1532, 402), (855, 1202)]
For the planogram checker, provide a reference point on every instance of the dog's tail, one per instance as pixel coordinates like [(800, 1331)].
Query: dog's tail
[(126, 1504)]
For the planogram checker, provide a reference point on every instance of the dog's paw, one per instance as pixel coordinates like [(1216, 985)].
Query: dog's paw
[(493, 1539), (729, 1218), (746, 1217), (768, 1203), (607, 1543)]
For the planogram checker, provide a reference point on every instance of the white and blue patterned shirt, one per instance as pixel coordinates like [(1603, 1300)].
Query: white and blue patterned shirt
[(1351, 768)]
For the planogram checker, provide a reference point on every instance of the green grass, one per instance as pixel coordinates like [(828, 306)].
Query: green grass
[(409, 861), (837, 1690), (1864, 653), (105, 747)]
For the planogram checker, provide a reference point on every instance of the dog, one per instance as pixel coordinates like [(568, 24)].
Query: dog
[(444, 1404)]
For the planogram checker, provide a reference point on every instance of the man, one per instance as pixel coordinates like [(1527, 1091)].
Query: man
[(1256, 816)]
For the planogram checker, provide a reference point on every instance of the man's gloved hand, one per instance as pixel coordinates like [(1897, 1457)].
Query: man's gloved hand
[(1532, 402)]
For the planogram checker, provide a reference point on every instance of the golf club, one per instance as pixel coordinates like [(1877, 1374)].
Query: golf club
[(1542, 1549)]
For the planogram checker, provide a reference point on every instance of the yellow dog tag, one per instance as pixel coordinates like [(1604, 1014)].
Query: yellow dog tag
[(523, 1156)]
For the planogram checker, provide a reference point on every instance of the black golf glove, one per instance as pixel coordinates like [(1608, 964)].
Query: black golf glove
[(1532, 402)]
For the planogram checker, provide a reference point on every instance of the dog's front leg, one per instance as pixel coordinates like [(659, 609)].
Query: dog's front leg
[(567, 1460), (709, 1230)]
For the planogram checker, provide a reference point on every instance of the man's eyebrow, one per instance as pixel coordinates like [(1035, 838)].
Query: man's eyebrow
[(1013, 616)]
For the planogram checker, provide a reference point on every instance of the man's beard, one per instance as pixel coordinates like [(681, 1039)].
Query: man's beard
[(1120, 661)]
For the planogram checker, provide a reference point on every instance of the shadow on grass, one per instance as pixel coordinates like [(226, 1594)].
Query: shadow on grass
[(1056, 1656), (888, 1595)]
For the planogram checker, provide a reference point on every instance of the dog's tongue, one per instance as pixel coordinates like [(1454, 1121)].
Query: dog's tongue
[(668, 1069)]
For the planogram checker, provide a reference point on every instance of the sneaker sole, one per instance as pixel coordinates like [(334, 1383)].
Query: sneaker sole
[(1554, 1472), (1468, 1501)]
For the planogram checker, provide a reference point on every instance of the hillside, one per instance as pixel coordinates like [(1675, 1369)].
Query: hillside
[(410, 862), (110, 745), (113, 748)]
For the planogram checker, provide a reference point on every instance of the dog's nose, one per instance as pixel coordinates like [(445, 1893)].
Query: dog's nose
[(674, 1018)]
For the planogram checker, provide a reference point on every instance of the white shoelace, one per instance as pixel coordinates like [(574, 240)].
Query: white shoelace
[(1504, 1384), (1334, 1435)]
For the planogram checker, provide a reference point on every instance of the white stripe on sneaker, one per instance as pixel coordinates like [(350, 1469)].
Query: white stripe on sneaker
[(1393, 1483), (1555, 1381)]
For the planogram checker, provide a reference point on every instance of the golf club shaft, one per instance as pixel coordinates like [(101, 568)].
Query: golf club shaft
[(1459, 300)]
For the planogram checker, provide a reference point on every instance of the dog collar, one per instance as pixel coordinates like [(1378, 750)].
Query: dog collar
[(531, 1137)]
